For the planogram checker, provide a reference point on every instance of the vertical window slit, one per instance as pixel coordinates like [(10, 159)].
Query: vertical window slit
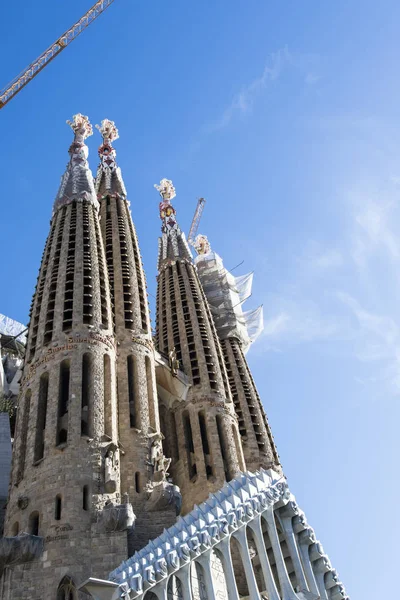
[(41, 417), (131, 366), (107, 396), (205, 444), (150, 393), (63, 401), (187, 428), (34, 523), (222, 445), (57, 508), (23, 432), (85, 497), (86, 394)]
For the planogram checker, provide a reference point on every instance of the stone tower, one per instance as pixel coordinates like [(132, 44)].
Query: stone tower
[(143, 472), (66, 455), (201, 432), (225, 300)]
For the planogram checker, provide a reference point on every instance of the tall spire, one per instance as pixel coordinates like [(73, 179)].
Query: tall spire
[(109, 178), (77, 181), (236, 330), (173, 243), (201, 433)]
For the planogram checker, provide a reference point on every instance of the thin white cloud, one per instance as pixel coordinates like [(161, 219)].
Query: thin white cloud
[(243, 101), (276, 64)]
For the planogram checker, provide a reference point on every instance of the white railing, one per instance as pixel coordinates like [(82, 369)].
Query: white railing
[(249, 540)]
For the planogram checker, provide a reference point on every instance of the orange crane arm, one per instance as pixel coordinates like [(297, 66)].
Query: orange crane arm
[(30, 72)]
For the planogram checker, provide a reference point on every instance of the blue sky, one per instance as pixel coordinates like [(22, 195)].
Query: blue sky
[(285, 117)]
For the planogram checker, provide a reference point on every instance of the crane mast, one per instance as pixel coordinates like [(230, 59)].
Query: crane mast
[(34, 68), (196, 220)]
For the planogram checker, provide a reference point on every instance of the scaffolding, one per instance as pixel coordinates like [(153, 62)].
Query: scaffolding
[(226, 295)]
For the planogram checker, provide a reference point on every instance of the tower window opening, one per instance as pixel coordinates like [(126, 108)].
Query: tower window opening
[(102, 276), (107, 396), (138, 486), (221, 438), (140, 276), (38, 296), (70, 271), (86, 400), (205, 444), (150, 393), (57, 508), (34, 523), (63, 400), (41, 417), (132, 376), (187, 428), (23, 432), (85, 497)]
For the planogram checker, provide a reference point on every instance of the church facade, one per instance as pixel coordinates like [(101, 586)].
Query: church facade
[(118, 433)]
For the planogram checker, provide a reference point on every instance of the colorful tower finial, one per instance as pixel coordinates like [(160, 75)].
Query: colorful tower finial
[(108, 130), (81, 126), (167, 211), (109, 178), (166, 190)]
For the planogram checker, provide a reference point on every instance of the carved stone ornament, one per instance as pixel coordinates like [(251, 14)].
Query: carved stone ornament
[(166, 190), (201, 244), (108, 130), (23, 502), (81, 125)]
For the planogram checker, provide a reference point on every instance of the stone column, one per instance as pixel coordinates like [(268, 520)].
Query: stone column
[(306, 538), (256, 528), (225, 550), (205, 561), (184, 577), (320, 565), (284, 581), (286, 514), (240, 536)]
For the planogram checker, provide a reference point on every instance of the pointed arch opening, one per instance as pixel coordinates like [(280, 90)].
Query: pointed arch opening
[(67, 589)]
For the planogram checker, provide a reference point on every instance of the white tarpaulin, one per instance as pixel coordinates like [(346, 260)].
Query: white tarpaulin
[(13, 328)]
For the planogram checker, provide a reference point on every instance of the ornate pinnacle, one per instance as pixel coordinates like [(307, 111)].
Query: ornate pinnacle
[(201, 244), (166, 190), (108, 130), (81, 126)]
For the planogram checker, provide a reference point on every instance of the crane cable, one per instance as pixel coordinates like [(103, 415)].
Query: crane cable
[(16, 85)]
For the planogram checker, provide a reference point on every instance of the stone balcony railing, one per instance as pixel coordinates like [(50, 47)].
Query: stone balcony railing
[(249, 540)]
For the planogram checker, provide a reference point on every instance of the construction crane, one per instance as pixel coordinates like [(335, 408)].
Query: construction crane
[(196, 220), (30, 72)]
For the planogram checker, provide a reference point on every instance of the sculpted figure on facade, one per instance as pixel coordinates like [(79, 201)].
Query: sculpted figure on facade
[(111, 464), (159, 463), (173, 362)]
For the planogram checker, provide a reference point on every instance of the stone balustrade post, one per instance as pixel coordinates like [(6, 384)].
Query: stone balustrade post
[(305, 539), (205, 562), (225, 551), (160, 590), (287, 590), (240, 536), (269, 580), (286, 515), (184, 576)]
